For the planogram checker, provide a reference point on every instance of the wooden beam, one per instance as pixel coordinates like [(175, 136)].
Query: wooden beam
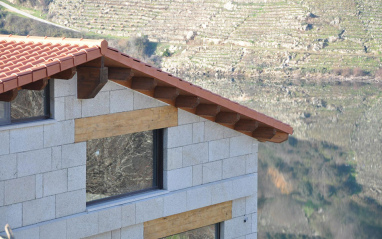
[(209, 110), (227, 118), (65, 75), (9, 95), (37, 85), (187, 101), (122, 74), (246, 125), (279, 137), (264, 133), (182, 222), (143, 83), (91, 77), (169, 93), (125, 123)]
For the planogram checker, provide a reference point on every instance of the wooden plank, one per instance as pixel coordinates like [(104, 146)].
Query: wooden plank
[(65, 75), (169, 93), (246, 125), (208, 110), (9, 95), (279, 137), (143, 83), (37, 85), (125, 123), (90, 81), (186, 221), (122, 74), (264, 133), (187, 101), (227, 118)]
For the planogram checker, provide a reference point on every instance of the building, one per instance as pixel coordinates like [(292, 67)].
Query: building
[(72, 109)]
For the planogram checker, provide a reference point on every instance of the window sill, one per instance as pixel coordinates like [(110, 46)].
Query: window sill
[(127, 199), (27, 124)]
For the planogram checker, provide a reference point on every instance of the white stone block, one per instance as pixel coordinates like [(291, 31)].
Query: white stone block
[(212, 171), (70, 203), (55, 182), (121, 100), (2, 193), (179, 136), (233, 167), (254, 222), (38, 210), (213, 131), (128, 215), (251, 204), (74, 155), (73, 108), (65, 87), (177, 179), (175, 203), (8, 167), (198, 132), (244, 186), (173, 158), (39, 186), (149, 210), (132, 232), (82, 226), (20, 190), (185, 117), (109, 219), (59, 109), (55, 229), (34, 162), (77, 178), (251, 236), (197, 175), (142, 101), (4, 139), (99, 105), (198, 197), (238, 207), (218, 149), (26, 139), (195, 154), (240, 145), (251, 164), (112, 86), (116, 234), (221, 192), (30, 232), (236, 227), (105, 235), (56, 158), (13, 215), (255, 146), (59, 133)]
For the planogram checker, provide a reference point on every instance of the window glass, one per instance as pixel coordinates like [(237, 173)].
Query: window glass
[(207, 232), (121, 164), (29, 104)]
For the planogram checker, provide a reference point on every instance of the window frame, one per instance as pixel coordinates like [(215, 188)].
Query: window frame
[(157, 172)]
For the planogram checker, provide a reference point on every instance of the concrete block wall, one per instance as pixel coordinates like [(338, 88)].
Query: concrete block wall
[(43, 172)]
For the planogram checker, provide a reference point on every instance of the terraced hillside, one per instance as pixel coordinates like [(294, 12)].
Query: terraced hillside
[(242, 36)]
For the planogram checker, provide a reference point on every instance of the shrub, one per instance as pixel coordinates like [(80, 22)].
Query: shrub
[(378, 73), (359, 72)]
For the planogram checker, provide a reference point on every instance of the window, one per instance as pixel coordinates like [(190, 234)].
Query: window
[(29, 105), (207, 232), (122, 165)]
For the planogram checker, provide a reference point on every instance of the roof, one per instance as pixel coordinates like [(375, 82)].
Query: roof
[(27, 59)]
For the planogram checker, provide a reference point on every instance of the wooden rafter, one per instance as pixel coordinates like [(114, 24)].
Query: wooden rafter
[(91, 79), (209, 110), (65, 75), (168, 93), (9, 95), (265, 133), (37, 85), (279, 137), (246, 125), (120, 74), (143, 83), (228, 118), (187, 101)]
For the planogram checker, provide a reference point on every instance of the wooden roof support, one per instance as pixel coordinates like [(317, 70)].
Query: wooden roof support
[(9, 95), (168, 93), (209, 110), (143, 83), (228, 118), (65, 75), (37, 85), (187, 101), (122, 74), (91, 79), (246, 125), (264, 133), (279, 137)]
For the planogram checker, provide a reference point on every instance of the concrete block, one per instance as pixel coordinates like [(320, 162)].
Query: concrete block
[(255, 146), (212, 171), (65, 87), (56, 230), (39, 186), (254, 222), (236, 227), (73, 108), (240, 145), (251, 164), (74, 155), (238, 207), (70, 203), (175, 203), (233, 167), (19, 190), (34, 162), (56, 158), (197, 175), (177, 179), (173, 158), (8, 167), (109, 219), (59, 133), (77, 178), (30, 232), (12, 214), (38, 210), (251, 204), (185, 117), (55, 182), (59, 109), (132, 232), (99, 105), (149, 210), (195, 154), (2, 193), (116, 234), (178, 136), (228, 133), (82, 226), (251, 236), (198, 197), (105, 235), (4, 139), (221, 192), (218, 149), (121, 100), (213, 131), (244, 186), (142, 101), (128, 215), (112, 86), (26, 139), (198, 132)]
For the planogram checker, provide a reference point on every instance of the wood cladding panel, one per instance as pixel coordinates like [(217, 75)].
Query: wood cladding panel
[(125, 123), (167, 226)]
